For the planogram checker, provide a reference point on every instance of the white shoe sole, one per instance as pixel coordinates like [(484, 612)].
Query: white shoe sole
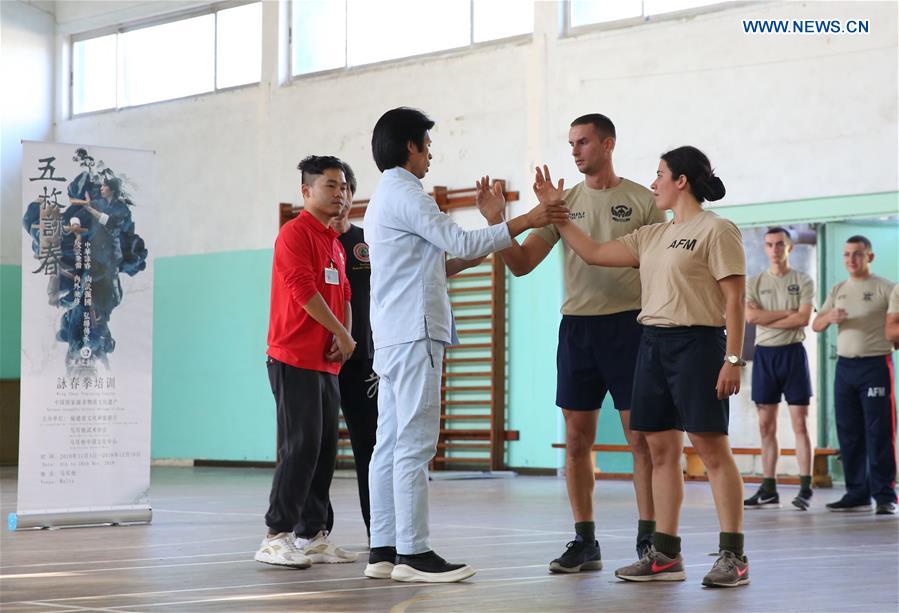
[(324, 558), (267, 559), (680, 576), (378, 570), (761, 507), (405, 573), (851, 510)]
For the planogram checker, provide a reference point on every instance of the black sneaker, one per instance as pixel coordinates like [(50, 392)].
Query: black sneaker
[(847, 505), (644, 545), (579, 555), (428, 567), (381, 561), (886, 508), (803, 500), (762, 500)]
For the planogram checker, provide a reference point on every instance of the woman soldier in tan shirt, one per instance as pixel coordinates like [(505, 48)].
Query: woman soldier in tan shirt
[(692, 275)]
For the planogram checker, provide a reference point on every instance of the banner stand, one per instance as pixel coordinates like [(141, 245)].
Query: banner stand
[(71, 518), (87, 336)]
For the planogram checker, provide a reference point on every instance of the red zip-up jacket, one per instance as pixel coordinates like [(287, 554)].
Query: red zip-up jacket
[(303, 250)]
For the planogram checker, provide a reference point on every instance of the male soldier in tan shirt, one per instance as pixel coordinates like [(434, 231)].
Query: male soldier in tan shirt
[(779, 302), (599, 334), (863, 386)]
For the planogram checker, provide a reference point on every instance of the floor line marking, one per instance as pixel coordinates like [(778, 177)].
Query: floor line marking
[(756, 561)]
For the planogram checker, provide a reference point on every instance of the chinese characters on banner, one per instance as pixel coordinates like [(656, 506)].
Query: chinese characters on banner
[(86, 336)]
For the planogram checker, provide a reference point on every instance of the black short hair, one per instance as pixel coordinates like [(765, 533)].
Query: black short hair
[(602, 124), (778, 229), (858, 238), (393, 132), (315, 165), (350, 177), (694, 164)]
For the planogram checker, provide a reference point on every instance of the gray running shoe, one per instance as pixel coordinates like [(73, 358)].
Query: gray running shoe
[(654, 566), (729, 570), (887, 508)]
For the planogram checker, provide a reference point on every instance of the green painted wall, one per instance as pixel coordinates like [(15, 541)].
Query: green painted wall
[(211, 397), (10, 321), (534, 317), (812, 210)]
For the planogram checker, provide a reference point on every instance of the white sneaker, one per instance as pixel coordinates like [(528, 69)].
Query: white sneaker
[(322, 551), (280, 550)]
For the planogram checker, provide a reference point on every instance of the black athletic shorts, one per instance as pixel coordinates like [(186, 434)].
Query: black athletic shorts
[(674, 382), (780, 371), (596, 355)]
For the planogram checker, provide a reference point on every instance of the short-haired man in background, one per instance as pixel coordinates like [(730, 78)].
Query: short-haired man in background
[(863, 382), (779, 302)]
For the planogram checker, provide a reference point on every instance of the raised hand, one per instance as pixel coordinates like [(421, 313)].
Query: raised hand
[(544, 189), (491, 202)]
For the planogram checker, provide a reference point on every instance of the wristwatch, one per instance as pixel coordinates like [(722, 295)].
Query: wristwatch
[(735, 360)]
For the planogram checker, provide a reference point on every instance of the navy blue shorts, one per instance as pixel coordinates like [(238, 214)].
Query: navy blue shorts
[(781, 371), (674, 383), (596, 354)]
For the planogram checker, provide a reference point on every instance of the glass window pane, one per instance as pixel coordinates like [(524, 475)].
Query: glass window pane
[(388, 29), (94, 74), (319, 35), (167, 61), (657, 7), (239, 45), (584, 12), (501, 18)]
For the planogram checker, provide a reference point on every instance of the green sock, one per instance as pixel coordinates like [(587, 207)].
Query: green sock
[(769, 486), (645, 528), (805, 482), (731, 541), (666, 544), (586, 530)]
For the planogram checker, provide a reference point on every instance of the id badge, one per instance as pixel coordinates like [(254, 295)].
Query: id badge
[(331, 276)]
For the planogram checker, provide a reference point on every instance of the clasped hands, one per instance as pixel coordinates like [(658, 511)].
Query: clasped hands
[(550, 210)]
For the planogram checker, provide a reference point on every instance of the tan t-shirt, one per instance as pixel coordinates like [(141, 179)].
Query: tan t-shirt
[(680, 266), (894, 301), (865, 302), (786, 293), (604, 214)]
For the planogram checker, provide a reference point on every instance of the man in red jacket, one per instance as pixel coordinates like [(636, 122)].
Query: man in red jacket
[(308, 341)]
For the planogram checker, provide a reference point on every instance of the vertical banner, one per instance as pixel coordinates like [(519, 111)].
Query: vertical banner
[(87, 329)]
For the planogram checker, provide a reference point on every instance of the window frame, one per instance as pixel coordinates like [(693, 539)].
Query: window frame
[(149, 22), (472, 46), (569, 31)]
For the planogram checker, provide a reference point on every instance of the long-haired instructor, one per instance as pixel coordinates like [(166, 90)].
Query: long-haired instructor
[(412, 322), (692, 273)]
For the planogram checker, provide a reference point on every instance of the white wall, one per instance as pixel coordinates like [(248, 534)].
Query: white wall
[(782, 116), (26, 109)]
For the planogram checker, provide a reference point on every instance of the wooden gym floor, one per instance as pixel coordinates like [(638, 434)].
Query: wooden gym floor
[(197, 555)]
